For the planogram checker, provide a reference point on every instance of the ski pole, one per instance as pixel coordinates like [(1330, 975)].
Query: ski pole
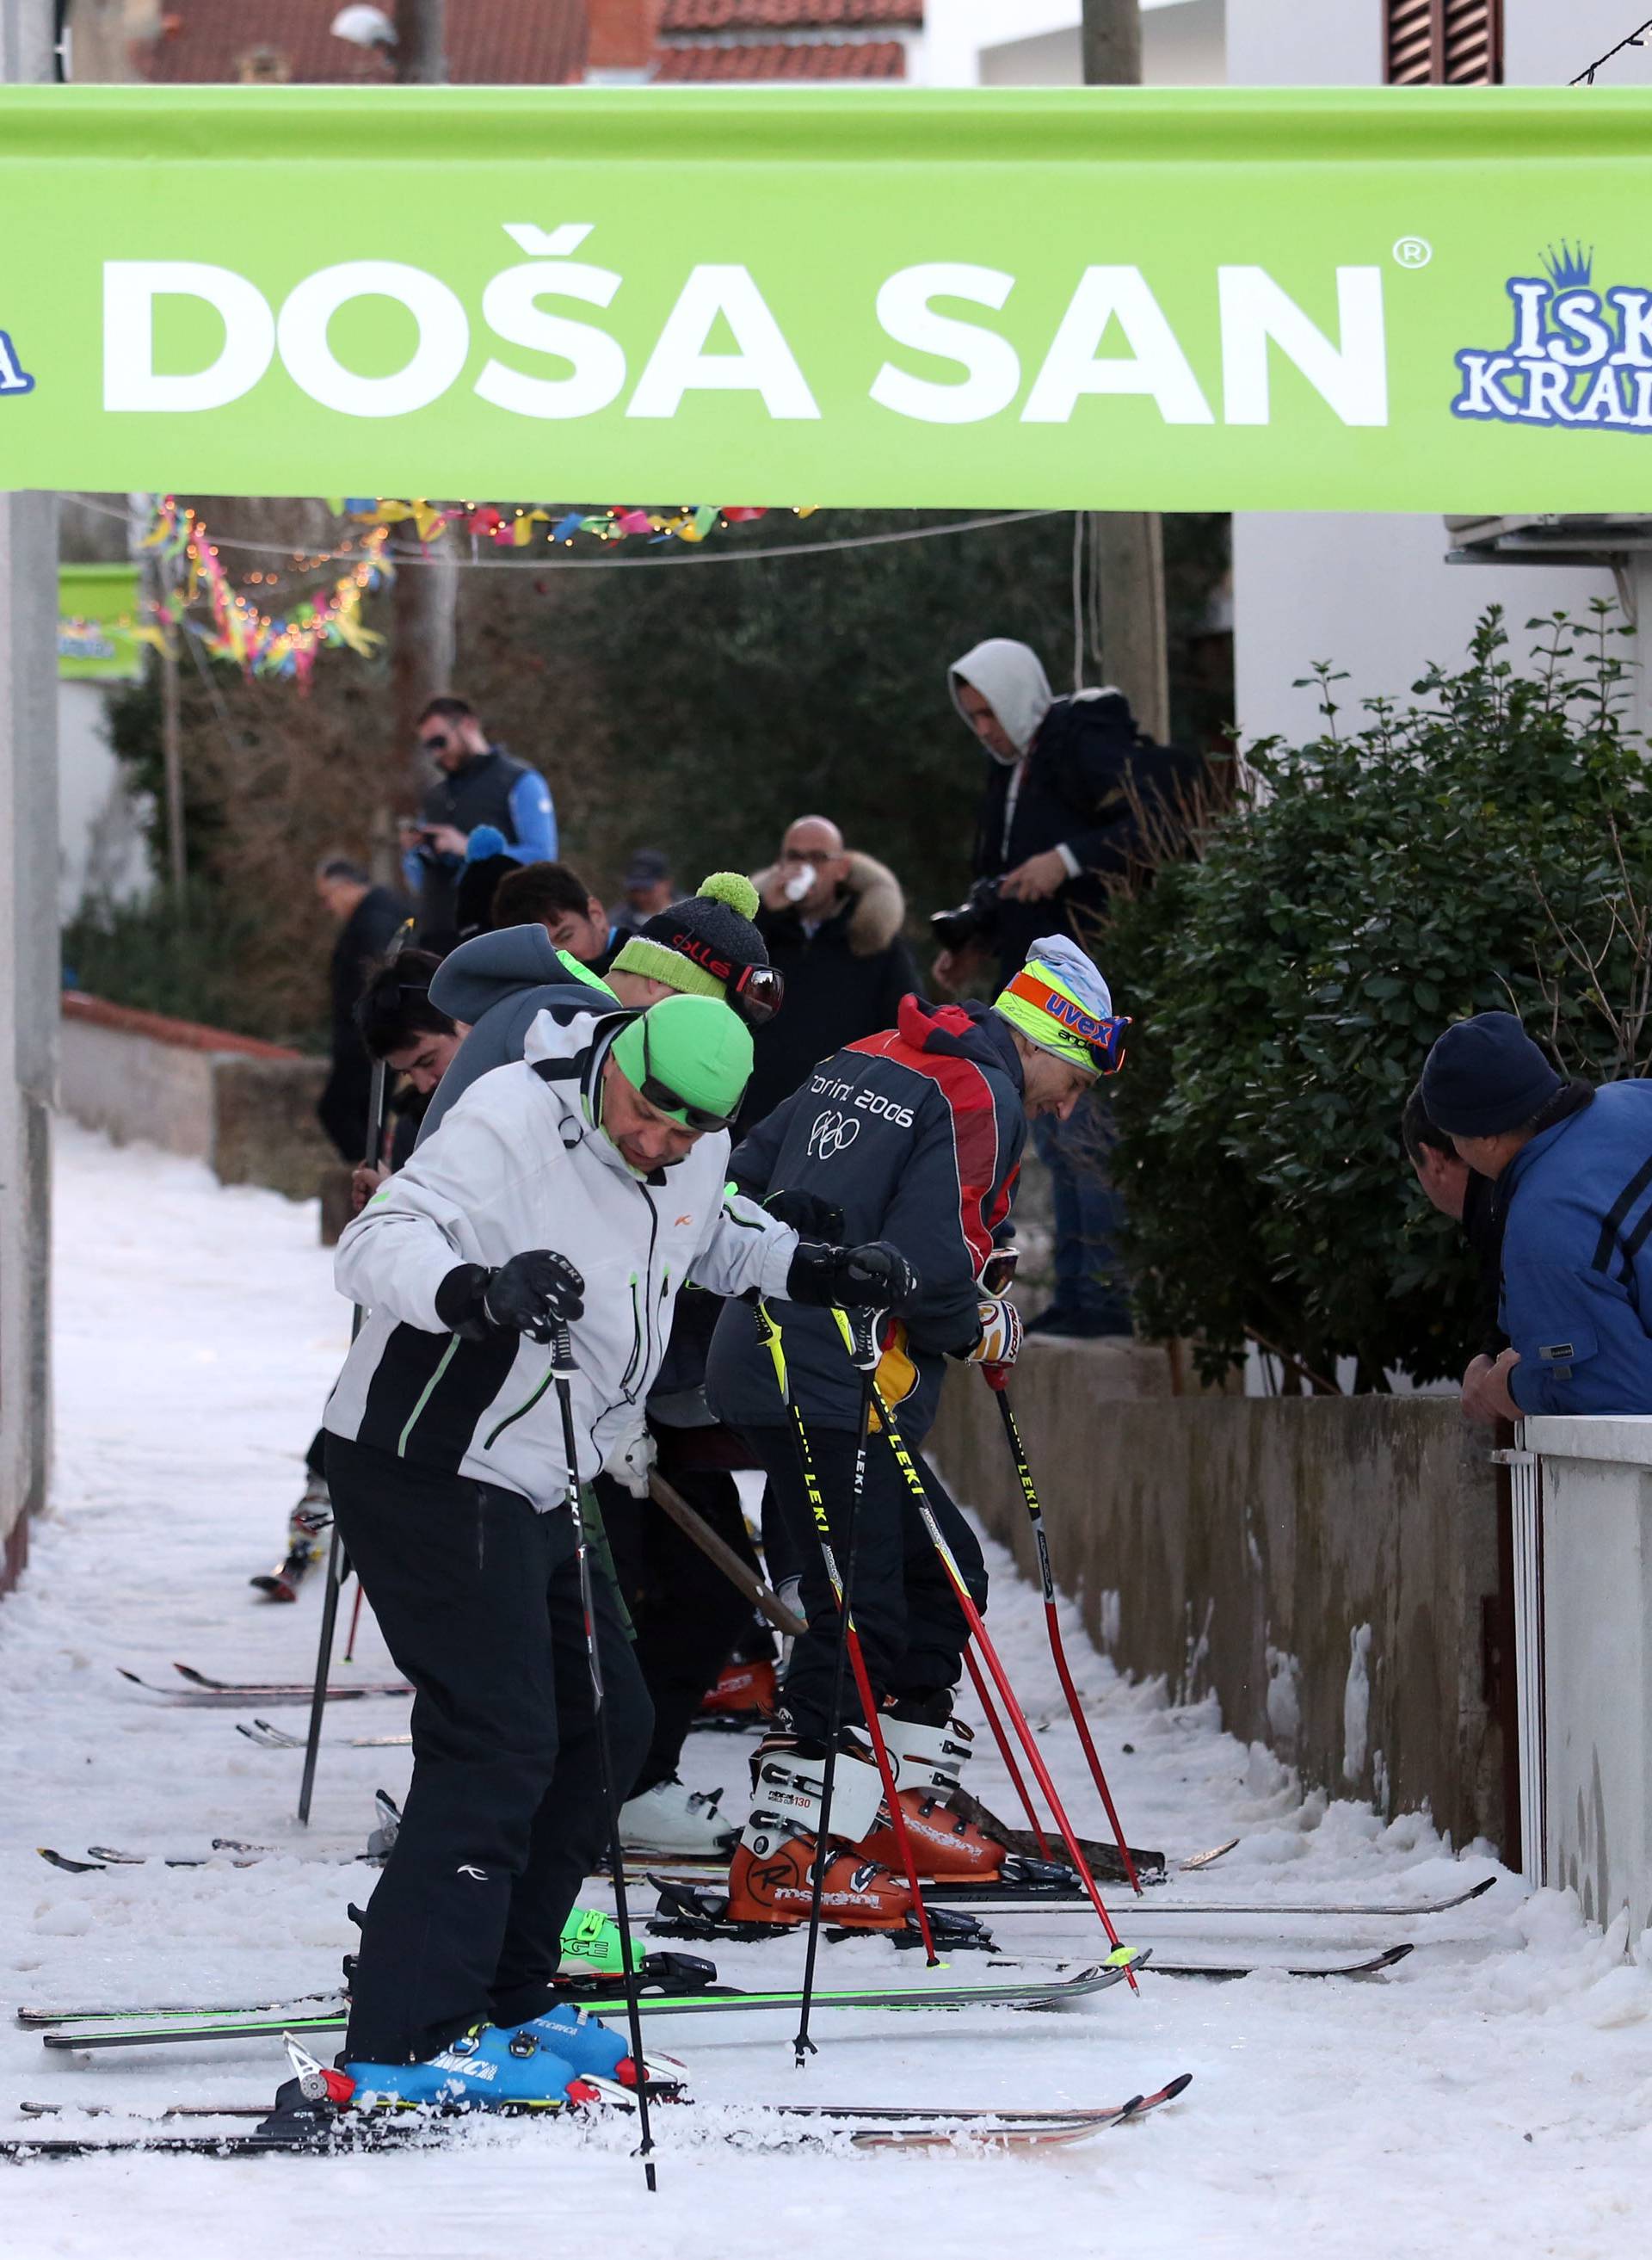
[(998, 1380), (355, 1619), (563, 1372), (338, 1560), (863, 1331), (768, 1334), (985, 1698), (948, 1561)]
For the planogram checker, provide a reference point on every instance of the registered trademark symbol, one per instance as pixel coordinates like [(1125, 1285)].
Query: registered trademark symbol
[(1414, 251)]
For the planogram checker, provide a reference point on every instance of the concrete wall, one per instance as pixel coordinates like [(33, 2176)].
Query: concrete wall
[(1595, 1719), (1320, 1564), (246, 1109)]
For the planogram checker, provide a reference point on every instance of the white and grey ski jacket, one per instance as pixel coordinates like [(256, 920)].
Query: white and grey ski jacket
[(518, 1163)]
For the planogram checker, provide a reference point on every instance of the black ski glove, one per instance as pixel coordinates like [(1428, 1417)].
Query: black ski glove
[(533, 1294), (874, 1276), (806, 1212)]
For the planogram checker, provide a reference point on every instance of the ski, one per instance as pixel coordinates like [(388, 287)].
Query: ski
[(1154, 1905), (101, 1858), (215, 1693), (711, 1867), (267, 1737), (868, 2128), (1048, 1991), (1217, 1972)]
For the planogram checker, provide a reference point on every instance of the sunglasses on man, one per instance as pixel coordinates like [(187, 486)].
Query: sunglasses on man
[(659, 1093)]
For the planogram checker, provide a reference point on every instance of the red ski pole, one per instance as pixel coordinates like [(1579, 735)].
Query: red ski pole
[(997, 1381), (355, 1619), (768, 1334), (1005, 1752), (948, 1561)]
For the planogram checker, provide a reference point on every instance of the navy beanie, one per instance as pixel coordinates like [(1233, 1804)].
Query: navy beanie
[(1485, 1076)]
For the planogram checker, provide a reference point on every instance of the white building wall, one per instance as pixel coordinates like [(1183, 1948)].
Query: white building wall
[(1374, 593), (1035, 43), (101, 826)]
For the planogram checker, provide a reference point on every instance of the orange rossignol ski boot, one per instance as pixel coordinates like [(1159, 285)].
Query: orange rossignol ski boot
[(743, 1690), (771, 1875), (928, 1759)]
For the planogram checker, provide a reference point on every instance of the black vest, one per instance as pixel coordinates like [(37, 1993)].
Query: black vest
[(479, 793)]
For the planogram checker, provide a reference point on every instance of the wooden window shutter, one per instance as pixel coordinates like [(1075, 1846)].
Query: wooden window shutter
[(1442, 42)]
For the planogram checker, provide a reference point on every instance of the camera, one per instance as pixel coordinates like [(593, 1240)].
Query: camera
[(973, 920)]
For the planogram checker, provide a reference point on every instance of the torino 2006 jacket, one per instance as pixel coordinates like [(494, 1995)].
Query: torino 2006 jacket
[(520, 1163), (916, 1135)]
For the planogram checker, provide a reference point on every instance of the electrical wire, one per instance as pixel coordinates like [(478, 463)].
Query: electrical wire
[(1634, 39)]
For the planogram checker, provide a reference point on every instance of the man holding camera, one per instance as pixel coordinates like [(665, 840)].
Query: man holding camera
[(1057, 825), (478, 785)]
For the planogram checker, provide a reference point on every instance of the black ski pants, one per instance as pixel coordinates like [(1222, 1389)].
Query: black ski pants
[(912, 1631), (478, 1599), (688, 1617)]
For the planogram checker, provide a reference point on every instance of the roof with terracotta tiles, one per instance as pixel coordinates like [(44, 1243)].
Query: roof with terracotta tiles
[(489, 43), (788, 15), (780, 59)]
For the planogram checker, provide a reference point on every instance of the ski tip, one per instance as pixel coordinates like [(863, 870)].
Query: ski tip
[(1179, 2085), (1480, 1889)]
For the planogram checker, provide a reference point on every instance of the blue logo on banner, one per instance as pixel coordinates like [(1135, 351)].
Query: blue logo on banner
[(13, 377), (1577, 356)]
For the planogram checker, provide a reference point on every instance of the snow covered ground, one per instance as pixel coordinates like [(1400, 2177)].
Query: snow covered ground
[(1493, 2095)]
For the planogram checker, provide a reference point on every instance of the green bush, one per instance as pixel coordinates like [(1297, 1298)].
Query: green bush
[(1486, 845), (142, 954)]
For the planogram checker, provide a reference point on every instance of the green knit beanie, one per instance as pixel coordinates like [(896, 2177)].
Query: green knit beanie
[(691, 1047)]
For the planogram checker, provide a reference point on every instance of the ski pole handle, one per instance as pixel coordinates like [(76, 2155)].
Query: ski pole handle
[(861, 1329)]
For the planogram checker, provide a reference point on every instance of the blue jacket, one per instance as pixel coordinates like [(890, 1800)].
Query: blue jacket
[(498, 984), (916, 1135), (1577, 1258)]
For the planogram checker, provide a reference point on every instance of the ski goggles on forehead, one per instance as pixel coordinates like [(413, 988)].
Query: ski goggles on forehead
[(659, 1093), (1101, 1038), (757, 993)]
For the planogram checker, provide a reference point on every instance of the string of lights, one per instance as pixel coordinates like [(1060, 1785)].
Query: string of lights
[(1634, 39)]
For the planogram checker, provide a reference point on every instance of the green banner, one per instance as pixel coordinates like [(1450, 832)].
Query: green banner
[(1376, 299), (96, 609)]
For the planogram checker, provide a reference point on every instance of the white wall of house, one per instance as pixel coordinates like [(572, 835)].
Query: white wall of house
[(1035, 43), (102, 827), (1374, 593)]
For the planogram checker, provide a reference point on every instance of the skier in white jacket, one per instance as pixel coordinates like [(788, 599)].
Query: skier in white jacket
[(582, 1187)]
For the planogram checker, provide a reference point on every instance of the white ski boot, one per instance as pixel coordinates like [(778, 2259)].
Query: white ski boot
[(671, 1819)]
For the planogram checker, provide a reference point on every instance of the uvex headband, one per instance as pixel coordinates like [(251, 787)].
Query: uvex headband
[(1052, 1016)]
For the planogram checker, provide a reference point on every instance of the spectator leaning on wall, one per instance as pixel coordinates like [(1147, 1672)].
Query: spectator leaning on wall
[(1571, 1171), (1451, 1186)]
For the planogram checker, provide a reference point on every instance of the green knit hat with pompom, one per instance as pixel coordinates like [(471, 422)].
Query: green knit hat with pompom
[(699, 946)]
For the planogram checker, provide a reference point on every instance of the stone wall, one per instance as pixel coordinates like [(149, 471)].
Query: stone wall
[(245, 1108), (1323, 1565)]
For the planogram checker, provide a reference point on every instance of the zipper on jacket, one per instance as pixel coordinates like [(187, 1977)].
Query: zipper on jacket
[(648, 1275), (522, 1410), (636, 1336)]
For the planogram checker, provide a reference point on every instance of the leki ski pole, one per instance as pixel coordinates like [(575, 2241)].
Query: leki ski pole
[(997, 1381), (948, 1561), (563, 1372), (984, 1697), (338, 1560), (862, 1333), (768, 1334)]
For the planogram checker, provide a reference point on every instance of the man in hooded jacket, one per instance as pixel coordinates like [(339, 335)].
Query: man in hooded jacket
[(1059, 821)]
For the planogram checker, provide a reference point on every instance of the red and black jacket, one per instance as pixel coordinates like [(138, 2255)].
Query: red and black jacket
[(916, 1135)]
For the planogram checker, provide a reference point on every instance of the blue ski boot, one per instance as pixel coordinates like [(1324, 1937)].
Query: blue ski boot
[(596, 2053), (487, 2068)]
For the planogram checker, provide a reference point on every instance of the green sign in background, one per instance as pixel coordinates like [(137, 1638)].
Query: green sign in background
[(723, 225)]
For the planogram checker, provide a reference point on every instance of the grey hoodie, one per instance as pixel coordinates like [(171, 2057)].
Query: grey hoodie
[(499, 984), (1010, 677)]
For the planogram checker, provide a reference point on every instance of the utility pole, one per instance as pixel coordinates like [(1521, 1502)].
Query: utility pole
[(29, 968), (1130, 544), (421, 42), (424, 596)]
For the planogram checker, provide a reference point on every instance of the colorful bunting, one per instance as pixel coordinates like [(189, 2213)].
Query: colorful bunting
[(484, 522)]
